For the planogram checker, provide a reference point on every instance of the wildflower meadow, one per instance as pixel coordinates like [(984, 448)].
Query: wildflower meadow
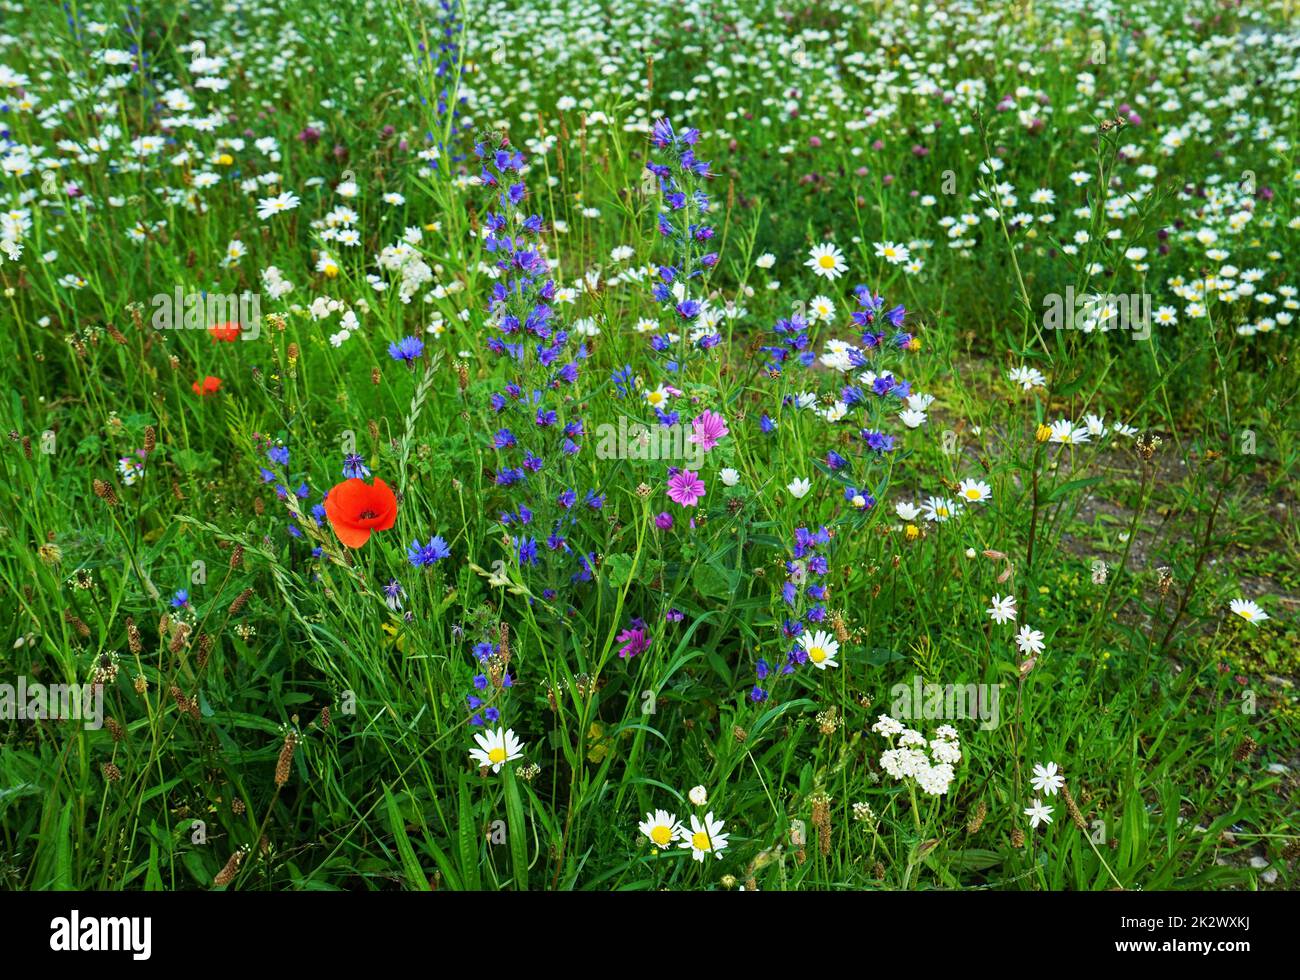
[(649, 445)]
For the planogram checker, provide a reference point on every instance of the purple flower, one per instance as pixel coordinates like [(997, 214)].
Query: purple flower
[(354, 467), (634, 640), (685, 488), (709, 428)]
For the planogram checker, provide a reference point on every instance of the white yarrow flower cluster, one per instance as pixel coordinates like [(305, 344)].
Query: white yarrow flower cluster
[(929, 763)]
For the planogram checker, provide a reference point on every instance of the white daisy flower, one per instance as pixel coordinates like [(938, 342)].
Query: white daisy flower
[(1248, 611), (496, 748), (662, 828), (827, 261), (821, 648), (705, 837)]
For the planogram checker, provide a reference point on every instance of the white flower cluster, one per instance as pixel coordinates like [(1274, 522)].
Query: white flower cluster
[(929, 763), (402, 258)]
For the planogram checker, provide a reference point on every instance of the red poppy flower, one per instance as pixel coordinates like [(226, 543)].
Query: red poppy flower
[(355, 508), (228, 331), (208, 386)]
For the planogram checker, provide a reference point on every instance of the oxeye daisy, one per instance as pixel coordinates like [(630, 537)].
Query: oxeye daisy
[(705, 837), (1248, 610), (1066, 433), (892, 252), (940, 509), (821, 648), (821, 308), (662, 828), (974, 491), (827, 261), (496, 748), (268, 206)]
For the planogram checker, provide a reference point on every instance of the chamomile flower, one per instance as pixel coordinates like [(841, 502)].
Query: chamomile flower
[(821, 648), (1248, 610), (821, 308), (892, 252), (705, 837), (974, 491), (939, 509), (1066, 433), (496, 748), (662, 828), (827, 261), (268, 206)]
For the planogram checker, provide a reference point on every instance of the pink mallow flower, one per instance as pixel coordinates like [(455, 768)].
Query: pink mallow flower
[(709, 428), (685, 488), (634, 640)]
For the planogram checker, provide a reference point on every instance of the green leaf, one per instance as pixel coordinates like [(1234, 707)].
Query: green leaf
[(414, 874), (467, 838), (515, 828)]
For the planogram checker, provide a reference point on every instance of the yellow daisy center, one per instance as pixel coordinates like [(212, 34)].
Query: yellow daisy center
[(661, 835), (826, 261), (972, 494), (816, 654), (497, 755), (700, 841)]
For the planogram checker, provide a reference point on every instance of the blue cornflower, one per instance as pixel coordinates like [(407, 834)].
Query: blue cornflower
[(354, 467), (407, 349), (393, 593), (424, 555), (527, 549)]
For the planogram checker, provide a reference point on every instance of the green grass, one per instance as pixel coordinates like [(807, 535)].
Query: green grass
[(289, 715)]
